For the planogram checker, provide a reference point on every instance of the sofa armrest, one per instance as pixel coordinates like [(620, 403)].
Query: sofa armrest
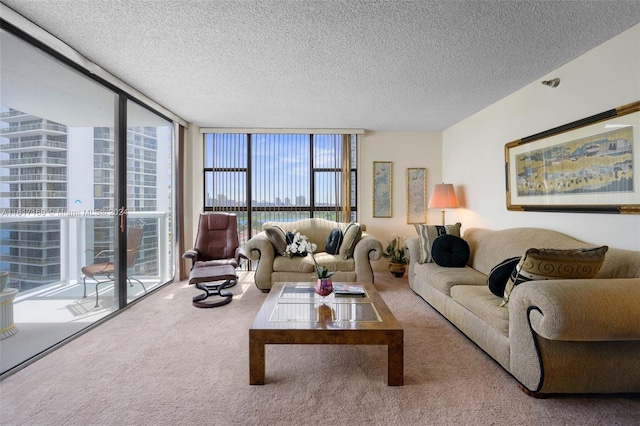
[(367, 249), (412, 251), (580, 310), (260, 248), (567, 335)]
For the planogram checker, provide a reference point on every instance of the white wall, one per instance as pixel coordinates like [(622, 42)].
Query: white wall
[(404, 150), (473, 150)]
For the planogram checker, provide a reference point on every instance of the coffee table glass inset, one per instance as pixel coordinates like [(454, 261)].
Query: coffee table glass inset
[(293, 313)]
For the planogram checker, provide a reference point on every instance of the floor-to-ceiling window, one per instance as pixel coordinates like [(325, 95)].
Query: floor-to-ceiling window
[(65, 145), (149, 196), (280, 177)]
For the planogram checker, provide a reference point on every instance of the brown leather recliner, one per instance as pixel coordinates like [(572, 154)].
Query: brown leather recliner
[(216, 241), (215, 257)]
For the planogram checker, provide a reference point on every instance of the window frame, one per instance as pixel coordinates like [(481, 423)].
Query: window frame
[(248, 208)]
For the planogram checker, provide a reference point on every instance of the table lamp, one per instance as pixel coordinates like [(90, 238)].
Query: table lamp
[(443, 197)]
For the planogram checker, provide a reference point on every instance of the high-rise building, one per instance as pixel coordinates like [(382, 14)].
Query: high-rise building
[(50, 173), (34, 180)]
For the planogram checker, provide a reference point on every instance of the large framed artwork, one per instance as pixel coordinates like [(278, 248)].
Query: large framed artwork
[(382, 188), (586, 166), (416, 195)]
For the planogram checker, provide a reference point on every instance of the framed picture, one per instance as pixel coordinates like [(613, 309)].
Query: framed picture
[(382, 188), (585, 166), (416, 195)]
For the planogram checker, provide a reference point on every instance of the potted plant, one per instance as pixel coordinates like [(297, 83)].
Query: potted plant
[(324, 285), (396, 255)]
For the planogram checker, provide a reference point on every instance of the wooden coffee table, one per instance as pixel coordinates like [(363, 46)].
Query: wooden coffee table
[(292, 314)]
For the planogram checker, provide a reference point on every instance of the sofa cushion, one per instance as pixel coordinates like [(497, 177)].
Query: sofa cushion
[(450, 251), (443, 278), (305, 264), (484, 304), (335, 262), (547, 264), (499, 275), (293, 264), (352, 234), (334, 241), (428, 234), (278, 238)]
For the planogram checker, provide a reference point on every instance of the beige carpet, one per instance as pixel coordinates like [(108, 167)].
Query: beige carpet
[(164, 362)]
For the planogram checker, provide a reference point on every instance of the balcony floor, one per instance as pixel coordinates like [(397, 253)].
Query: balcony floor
[(48, 315)]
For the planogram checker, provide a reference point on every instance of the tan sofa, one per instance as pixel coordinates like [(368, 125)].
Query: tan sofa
[(560, 336), (273, 267)]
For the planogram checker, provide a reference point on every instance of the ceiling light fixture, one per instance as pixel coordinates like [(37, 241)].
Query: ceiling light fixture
[(552, 83)]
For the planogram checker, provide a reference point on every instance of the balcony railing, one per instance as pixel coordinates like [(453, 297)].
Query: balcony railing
[(33, 127), (34, 160), (75, 231), (49, 177), (34, 194), (38, 143)]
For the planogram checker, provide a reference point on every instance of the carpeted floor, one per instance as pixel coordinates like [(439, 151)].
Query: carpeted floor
[(164, 362)]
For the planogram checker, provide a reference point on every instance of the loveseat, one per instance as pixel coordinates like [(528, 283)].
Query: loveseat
[(351, 263), (553, 336)]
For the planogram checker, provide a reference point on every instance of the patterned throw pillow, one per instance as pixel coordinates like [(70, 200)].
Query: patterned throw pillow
[(428, 234), (497, 279), (550, 264), (278, 238), (351, 236)]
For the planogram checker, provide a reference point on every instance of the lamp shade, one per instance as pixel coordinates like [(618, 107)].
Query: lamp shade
[(443, 197)]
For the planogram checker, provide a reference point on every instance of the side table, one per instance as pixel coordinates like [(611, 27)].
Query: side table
[(7, 326)]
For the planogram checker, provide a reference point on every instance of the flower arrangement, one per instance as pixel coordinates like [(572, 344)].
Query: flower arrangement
[(395, 250), (298, 246)]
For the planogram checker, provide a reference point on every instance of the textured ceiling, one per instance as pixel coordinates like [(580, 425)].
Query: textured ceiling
[(378, 65)]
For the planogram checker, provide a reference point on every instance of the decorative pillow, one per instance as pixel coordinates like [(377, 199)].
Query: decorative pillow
[(278, 238), (428, 234), (499, 275), (549, 264), (450, 251), (350, 238), (334, 241)]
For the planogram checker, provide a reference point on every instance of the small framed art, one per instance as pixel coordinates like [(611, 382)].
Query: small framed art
[(416, 195), (382, 188)]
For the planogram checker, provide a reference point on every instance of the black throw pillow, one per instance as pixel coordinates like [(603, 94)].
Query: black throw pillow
[(334, 241), (499, 275), (450, 251)]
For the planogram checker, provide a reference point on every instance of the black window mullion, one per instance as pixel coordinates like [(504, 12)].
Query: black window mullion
[(249, 204), (312, 202), (120, 222)]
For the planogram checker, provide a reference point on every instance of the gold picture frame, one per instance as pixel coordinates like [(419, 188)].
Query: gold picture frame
[(416, 195), (382, 188), (587, 166)]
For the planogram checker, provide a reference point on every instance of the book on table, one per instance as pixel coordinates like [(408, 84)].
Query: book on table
[(342, 290)]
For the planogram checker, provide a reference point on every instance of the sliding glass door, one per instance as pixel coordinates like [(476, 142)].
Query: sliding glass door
[(149, 200), (82, 169)]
